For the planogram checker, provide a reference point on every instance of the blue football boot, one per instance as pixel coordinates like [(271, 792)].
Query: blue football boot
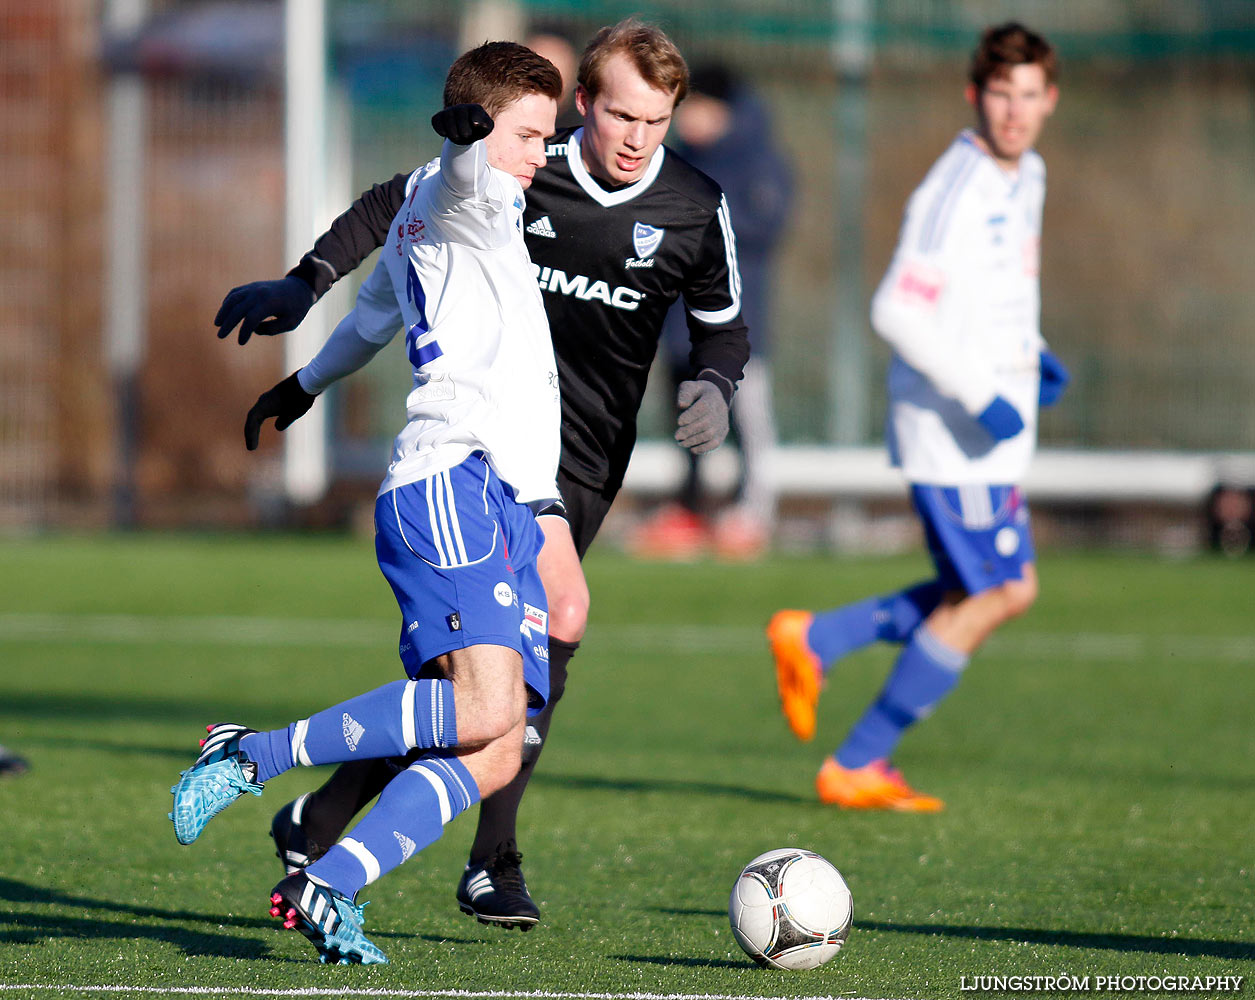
[(221, 774), (332, 922)]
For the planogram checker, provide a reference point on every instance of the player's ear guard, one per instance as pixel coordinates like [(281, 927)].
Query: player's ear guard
[(462, 124)]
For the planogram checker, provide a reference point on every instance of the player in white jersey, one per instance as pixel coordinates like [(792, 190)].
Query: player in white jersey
[(456, 531), (959, 305)]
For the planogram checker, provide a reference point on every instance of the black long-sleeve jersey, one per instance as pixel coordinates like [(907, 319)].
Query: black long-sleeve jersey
[(610, 263)]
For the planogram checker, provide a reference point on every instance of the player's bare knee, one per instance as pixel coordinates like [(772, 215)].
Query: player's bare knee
[(497, 763), (488, 693), (1019, 596), (490, 713), (568, 615)]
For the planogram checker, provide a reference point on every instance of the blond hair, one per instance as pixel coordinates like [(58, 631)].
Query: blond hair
[(651, 52)]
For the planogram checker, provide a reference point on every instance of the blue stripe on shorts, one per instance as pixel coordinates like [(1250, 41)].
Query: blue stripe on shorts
[(460, 555)]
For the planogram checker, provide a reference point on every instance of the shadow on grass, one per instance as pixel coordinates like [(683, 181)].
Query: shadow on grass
[(594, 783), (693, 963), (96, 708), (1096, 940), (31, 928)]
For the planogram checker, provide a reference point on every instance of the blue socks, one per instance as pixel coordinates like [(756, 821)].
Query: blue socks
[(387, 722), (890, 618), (411, 813), (926, 671)]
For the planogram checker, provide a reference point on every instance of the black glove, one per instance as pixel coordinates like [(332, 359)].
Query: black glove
[(462, 124), (703, 422), (286, 402), (286, 301)]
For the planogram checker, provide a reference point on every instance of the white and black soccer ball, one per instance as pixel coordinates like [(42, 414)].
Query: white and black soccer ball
[(790, 909)]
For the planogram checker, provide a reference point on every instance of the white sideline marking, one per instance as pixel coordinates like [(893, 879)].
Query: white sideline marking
[(313, 991), (237, 630)]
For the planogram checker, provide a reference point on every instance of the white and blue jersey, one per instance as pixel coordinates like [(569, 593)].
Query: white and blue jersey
[(960, 306), (456, 274)]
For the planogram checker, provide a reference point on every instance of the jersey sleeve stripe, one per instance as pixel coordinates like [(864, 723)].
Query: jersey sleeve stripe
[(717, 316), (942, 209)]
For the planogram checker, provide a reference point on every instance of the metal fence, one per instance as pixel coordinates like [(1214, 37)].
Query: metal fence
[(1148, 229)]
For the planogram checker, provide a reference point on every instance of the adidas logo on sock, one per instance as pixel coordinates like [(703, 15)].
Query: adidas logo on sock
[(353, 731), (407, 845), (543, 227)]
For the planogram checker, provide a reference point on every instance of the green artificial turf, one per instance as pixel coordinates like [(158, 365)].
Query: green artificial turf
[(1096, 761)]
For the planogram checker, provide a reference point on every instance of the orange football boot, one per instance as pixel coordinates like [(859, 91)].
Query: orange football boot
[(873, 786), (799, 675)]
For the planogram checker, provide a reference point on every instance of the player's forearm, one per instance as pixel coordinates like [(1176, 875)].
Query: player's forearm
[(344, 353), (353, 236), (721, 352), (464, 168), (919, 338)]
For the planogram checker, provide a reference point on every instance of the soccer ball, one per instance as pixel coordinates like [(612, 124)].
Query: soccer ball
[(790, 909)]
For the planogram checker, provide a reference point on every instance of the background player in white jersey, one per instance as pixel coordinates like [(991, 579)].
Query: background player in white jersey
[(456, 531), (959, 305)]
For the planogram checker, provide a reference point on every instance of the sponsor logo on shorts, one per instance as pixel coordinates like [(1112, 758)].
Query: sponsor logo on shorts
[(412, 626), (455, 622), (504, 594), (541, 651), (353, 731), (535, 617)]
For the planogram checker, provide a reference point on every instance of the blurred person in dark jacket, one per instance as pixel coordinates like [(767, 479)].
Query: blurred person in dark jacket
[(724, 130), (553, 43)]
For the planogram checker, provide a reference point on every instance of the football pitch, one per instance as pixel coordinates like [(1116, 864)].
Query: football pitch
[(1097, 763)]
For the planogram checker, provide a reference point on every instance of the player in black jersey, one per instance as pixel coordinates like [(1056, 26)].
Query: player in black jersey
[(618, 227)]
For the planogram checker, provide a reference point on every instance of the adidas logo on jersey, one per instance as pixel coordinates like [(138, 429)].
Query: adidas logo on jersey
[(543, 227), (353, 731), (407, 845)]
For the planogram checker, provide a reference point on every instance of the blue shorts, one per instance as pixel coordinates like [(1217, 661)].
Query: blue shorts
[(978, 536), (460, 554)]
